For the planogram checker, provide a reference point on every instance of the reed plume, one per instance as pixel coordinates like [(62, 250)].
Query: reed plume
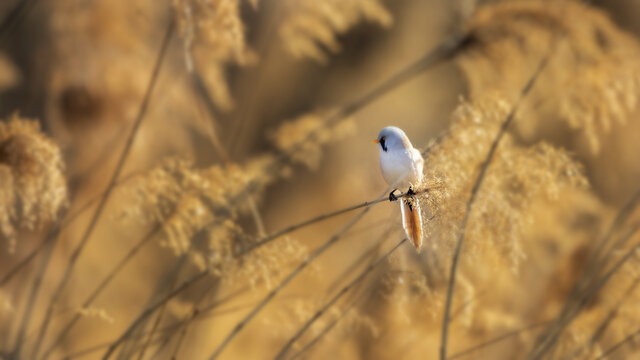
[(34, 189), (226, 144), (311, 29), (592, 83)]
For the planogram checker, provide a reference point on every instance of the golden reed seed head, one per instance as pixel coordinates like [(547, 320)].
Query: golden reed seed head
[(209, 202), (303, 138), (591, 82), (33, 189), (214, 36), (310, 28), (517, 177)]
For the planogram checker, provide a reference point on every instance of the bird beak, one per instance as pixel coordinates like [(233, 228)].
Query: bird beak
[(376, 141)]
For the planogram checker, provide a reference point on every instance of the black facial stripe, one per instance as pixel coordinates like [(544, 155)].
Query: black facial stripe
[(384, 146)]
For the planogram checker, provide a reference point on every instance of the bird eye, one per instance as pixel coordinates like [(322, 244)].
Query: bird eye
[(384, 146)]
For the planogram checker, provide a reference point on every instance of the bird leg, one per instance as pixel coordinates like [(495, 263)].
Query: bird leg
[(392, 196), (410, 194)]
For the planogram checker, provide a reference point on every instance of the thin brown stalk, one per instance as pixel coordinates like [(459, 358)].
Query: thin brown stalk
[(69, 218), (151, 309), (321, 217), (324, 247), (14, 16), (604, 324), (619, 344), (156, 323), (98, 347), (595, 262), (367, 257), (112, 182), (210, 127), (443, 51), (168, 328), (105, 282), (552, 336), (474, 191), (35, 290), (497, 339), (181, 337), (24, 262), (217, 144), (467, 303), (328, 328), (308, 222), (333, 300)]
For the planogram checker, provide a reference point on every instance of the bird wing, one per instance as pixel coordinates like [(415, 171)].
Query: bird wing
[(418, 160)]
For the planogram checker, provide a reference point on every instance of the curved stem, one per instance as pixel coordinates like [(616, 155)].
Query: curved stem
[(112, 182), (474, 191)]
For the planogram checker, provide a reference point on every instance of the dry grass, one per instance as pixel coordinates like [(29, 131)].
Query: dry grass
[(194, 179)]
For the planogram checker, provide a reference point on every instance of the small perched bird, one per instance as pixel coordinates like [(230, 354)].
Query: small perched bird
[(401, 166)]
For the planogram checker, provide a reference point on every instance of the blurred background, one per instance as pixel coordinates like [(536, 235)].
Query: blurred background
[(173, 122)]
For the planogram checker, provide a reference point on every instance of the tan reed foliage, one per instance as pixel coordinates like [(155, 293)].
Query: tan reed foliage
[(214, 36), (32, 184), (189, 201), (517, 178), (302, 138), (311, 28), (591, 84), (523, 185), (534, 222)]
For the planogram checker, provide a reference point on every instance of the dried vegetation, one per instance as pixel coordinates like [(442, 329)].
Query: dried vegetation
[(230, 230)]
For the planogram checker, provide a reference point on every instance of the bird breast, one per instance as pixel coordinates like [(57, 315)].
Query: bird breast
[(401, 168)]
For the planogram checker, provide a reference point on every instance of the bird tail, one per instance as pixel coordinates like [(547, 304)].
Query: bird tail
[(412, 220)]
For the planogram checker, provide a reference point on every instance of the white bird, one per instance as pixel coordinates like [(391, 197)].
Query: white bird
[(401, 166)]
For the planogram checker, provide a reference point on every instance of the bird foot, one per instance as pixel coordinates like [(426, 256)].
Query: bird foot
[(392, 196), (410, 192)]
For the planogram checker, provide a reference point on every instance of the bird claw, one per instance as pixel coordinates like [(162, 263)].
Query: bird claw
[(410, 192), (392, 196)]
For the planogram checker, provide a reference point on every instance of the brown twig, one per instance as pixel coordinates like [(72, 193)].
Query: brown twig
[(112, 182), (319, 251), (598, 256), (329, 327), (35, 290), (594, 263), (68, 219), (553, 336), (15, 15), (604, 324), (321, 217), (151, 309), (474, 191), (445, 50), (497, 339), (330, 303), (105, 282), (615, 347)]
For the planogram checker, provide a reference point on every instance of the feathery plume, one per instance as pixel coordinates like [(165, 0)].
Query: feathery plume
[(302, 139), (214, 36), (592, 82), (33, 189), (311, 27), (517, 178)]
